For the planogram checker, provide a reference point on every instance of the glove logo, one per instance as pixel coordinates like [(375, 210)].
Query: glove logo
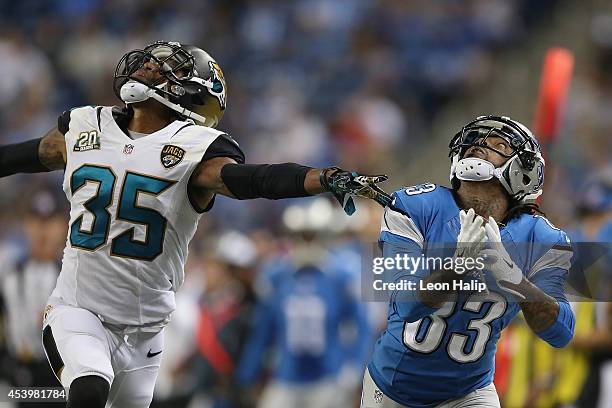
[(378, 396), (171, 155), (150, 354)]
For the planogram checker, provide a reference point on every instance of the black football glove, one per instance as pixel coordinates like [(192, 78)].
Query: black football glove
[(346, 184)]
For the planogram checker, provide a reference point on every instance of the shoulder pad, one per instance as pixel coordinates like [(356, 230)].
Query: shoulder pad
[(545, 231), (407, 197), (550, 247), (205, 130), (421, 203), (76, 113)]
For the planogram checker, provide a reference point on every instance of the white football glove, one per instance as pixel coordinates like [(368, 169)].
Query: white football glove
[(472, 235), (502, 267)]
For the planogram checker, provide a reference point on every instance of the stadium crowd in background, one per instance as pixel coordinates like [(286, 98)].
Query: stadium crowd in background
[(356, 82)]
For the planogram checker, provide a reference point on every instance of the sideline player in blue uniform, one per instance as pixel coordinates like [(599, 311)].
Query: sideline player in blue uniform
[(439, 346), (300, 315)]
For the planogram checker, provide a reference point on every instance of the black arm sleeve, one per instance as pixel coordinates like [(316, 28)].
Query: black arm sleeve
[(273, 181), (21, 158), (223, 146)]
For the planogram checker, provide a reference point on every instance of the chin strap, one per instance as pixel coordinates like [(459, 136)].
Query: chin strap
[(134, 92), (178, 108)]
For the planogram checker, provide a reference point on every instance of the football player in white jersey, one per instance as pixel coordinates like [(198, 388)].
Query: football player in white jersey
[(138, 180)]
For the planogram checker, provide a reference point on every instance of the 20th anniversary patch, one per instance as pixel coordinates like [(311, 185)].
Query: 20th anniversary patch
[(171, 155)]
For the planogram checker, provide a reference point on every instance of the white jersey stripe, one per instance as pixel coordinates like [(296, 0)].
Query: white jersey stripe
[(402, 225)]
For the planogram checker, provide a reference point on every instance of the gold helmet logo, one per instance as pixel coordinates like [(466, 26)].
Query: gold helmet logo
[(218, 88)]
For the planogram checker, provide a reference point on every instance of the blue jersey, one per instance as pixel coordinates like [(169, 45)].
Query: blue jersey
[(427, 356), (300, 314)]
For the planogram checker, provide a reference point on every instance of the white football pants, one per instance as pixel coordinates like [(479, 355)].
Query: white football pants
[(372, 397), (78, 344)]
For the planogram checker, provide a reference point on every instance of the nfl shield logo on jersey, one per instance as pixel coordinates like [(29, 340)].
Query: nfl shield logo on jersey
[(171, 155), (128, 149)]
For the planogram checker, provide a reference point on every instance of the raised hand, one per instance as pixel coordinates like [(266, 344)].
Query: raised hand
[(346, 184), (502, 267)]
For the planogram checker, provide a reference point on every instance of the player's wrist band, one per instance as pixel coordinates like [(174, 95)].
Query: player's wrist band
[(562, 330), (21, 158), (323, 177), (272, 181)]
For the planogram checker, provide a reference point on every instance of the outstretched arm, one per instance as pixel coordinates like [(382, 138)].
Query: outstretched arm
[(34, 156), (52, 150), (225, 176)]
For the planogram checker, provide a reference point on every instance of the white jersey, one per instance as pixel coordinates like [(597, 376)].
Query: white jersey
[(131, 219)]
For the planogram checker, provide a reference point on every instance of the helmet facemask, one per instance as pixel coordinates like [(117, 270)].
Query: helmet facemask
[(175, 65), (180, 87), (522, 175)]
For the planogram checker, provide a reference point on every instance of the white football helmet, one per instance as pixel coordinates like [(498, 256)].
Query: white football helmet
[(522, 175)]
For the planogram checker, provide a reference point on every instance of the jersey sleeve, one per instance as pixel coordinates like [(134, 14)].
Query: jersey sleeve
[(552, 282), (224, 146), (411, 214), (397, 227), (63, 121), (404, 228), (551, 258), (405, 303), (78, 113), (549, 273)]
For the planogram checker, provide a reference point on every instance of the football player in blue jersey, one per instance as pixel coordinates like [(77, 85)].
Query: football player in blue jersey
[(307, 304), (439, 346)]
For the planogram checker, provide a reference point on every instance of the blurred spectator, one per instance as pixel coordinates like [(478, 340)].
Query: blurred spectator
[(225, 315), (26, 285), (176, 383), (593, 236), (543, 377), (27, 68), (220, 325)]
